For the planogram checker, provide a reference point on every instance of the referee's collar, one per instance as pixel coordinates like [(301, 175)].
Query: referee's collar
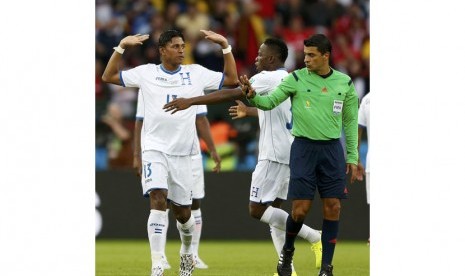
[(327, 75)]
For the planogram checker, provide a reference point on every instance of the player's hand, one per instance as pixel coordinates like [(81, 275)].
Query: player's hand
[(177, 105), (137, 165), (217, 38), (133, 40), (360, 171), (217, 160), (246, 87), (238, 111), (352, 169)]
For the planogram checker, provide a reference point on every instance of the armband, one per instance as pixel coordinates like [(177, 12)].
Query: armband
[(119, 49), (227, 50)]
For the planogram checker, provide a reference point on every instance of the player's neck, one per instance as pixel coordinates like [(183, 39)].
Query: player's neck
[(170, 67), (275, 67)]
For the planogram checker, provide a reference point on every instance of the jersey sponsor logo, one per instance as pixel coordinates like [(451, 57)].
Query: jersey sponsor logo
[(161, 79), (156, 224), (255, 191), (185, 80)]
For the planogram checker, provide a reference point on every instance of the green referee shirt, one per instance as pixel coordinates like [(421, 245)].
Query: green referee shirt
[(321, 106)]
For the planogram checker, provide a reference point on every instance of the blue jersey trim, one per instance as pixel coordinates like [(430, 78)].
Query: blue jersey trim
[(168, 71), (121, 78), (221, 82), (362, 126), (201, 114), (139, 118)]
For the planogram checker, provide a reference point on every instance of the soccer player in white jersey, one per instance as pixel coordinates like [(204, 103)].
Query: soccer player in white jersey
[(270, 179), (364, 123), (170, 141), (198, 192)]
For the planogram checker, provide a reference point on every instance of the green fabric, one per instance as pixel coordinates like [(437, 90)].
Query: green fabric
[(315, 101)]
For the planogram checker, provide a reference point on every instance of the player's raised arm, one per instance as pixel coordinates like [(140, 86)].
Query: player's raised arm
[(230, 71), (111, 73)]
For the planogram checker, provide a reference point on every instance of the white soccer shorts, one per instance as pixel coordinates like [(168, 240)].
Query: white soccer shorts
[(163, 171), (198, 189), (270, 180)]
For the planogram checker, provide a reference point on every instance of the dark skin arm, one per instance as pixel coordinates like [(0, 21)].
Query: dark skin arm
[(220, 96), (111, 73), (203, 128), (137, 157), (229, 70)]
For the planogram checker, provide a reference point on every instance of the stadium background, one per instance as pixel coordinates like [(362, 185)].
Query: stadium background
[(246, 24)]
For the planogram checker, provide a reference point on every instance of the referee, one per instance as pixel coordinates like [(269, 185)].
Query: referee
[(323, 102)]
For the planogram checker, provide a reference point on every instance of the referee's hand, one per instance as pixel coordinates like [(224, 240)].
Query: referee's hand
[(246, 87), (353, 171)]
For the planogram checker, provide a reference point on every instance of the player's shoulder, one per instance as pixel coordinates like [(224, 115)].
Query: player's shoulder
[(192, 67)]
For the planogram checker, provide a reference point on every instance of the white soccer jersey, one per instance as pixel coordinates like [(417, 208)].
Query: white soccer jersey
[(173, 134), (201, 111), (275, 125), (364, 120)]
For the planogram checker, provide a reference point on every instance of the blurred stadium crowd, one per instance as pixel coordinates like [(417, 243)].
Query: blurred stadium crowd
[(246, 23)]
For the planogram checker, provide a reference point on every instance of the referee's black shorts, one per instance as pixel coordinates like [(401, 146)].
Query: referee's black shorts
[(318, 165)]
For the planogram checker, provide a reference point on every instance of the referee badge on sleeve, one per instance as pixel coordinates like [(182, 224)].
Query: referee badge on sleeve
[(337, 107)]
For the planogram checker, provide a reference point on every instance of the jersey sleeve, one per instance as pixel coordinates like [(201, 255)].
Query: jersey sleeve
[(212, 80), (284, 90), (202, 110), (350, 124), (140, 107), (131, 77)]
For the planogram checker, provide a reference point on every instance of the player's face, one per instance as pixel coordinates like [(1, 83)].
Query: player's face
[(173, 52), (262, 59), (314, 60)]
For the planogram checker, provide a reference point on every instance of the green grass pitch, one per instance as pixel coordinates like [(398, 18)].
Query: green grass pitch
[(244, 258)]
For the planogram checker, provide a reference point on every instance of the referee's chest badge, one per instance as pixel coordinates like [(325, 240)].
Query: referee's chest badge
[(307, 104)]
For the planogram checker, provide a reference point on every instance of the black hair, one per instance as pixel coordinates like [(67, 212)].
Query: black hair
[(320, 41), (166, 37), (278, 46)]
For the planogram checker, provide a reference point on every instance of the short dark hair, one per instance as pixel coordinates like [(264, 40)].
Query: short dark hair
[(320, 41), (166, 37), (278, 46)]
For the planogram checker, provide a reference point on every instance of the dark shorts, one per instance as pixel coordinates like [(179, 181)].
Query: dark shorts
[(317, 165)]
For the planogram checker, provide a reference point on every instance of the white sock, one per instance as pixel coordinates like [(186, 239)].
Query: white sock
[(277, 217), (156, 230), (163, 241), (278, 236), (197, 214), (185, 232)]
